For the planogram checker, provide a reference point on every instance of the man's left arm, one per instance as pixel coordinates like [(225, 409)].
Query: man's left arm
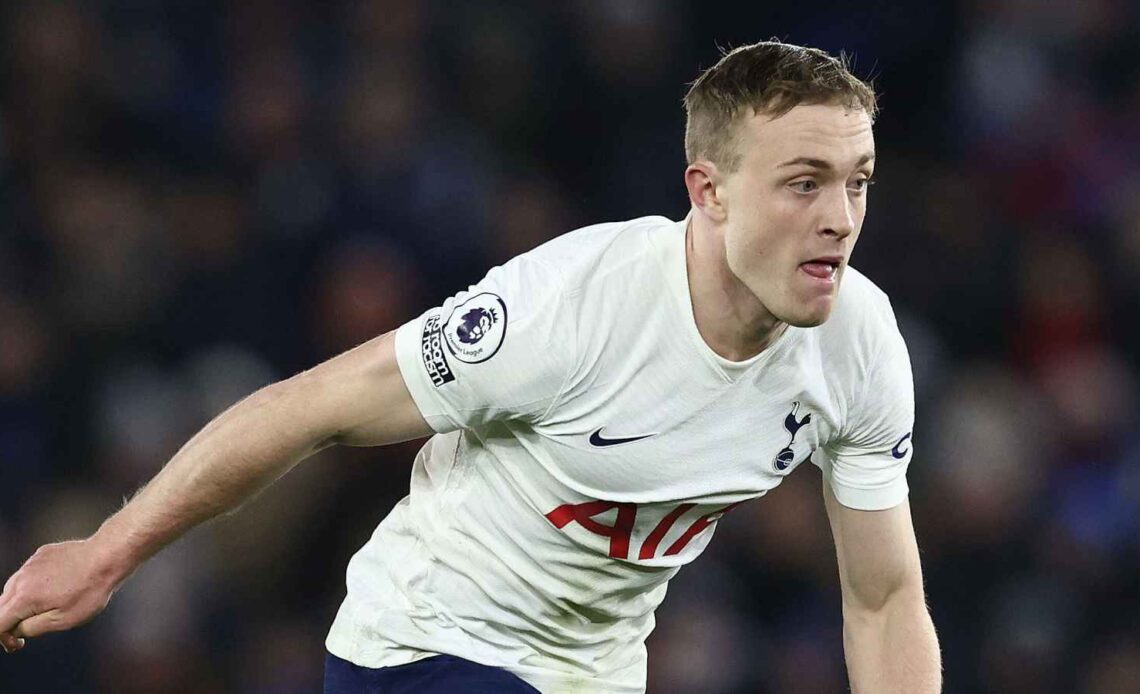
[(888, 636)]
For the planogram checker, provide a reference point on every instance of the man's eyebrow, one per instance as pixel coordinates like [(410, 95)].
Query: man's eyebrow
[(822, 164)]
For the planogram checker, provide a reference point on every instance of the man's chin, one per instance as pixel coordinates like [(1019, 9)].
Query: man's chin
[(809, 302), (809, 316), (807, 322)]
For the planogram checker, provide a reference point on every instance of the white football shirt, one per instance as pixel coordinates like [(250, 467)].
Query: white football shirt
[(588, 441)]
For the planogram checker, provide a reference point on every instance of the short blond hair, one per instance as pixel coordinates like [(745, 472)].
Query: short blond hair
[(769, 77)]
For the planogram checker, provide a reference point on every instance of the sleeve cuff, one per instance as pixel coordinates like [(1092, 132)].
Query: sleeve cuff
[(879, 499)]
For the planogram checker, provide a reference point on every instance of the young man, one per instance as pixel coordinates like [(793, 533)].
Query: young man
[(598, 404)]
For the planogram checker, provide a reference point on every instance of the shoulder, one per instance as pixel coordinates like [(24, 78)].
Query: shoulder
[(860, 345), (593, 252), (593, 271), (863, 315)]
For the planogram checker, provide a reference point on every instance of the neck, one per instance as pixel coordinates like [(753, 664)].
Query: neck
[(730, 319)]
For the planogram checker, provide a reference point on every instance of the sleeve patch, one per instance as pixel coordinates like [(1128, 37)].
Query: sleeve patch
[(475, 329), (431, 349)]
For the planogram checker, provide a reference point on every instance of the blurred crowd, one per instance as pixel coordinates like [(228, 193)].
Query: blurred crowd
[(200, 198)]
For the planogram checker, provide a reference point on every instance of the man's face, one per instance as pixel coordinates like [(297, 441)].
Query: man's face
[(795, 205)]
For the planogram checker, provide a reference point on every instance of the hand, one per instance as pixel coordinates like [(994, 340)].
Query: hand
[(62, 586)]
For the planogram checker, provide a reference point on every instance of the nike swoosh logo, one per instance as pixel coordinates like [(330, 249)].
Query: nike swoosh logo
[(596, 439), (896, 452)]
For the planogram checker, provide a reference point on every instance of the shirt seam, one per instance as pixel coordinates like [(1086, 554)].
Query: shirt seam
[(872, 365), (563, 298)]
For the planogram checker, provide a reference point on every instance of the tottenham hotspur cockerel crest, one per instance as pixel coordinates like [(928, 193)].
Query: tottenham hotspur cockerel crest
[(792, 425), (476, 328)]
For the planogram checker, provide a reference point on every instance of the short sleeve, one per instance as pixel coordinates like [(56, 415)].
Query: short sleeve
[(499, 350), (867, 465)]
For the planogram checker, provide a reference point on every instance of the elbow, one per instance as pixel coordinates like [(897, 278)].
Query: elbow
[(883, 596)]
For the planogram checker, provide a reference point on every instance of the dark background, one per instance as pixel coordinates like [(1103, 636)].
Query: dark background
[(199, 198)]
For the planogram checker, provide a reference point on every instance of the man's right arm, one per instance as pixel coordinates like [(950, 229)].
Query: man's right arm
[(358, 399)]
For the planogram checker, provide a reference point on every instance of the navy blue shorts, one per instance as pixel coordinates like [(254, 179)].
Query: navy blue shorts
[(441, 674)]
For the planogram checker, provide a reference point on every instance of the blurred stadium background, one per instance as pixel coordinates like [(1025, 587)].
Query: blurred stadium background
[(198, 198)]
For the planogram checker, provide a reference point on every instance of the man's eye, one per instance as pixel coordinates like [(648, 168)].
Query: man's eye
[(862, 184), (805, 186)]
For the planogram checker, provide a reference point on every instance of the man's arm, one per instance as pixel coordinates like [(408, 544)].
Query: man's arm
[(888, 635), (358, 398)]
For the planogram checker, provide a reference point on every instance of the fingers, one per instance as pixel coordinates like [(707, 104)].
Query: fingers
[(13, 636), (11, 643), (10, 617), (8, 620), (39, 624), (55, 590), (8, 641)]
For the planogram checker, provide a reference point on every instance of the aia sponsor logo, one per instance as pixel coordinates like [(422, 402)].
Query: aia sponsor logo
[(621, 533)]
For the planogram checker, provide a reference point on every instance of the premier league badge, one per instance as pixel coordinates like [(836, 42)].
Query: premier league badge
[(475, 329)]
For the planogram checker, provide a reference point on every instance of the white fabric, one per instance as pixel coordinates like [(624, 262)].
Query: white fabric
[(586, 340)]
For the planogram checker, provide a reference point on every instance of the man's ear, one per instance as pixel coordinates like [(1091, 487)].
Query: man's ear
[(702, 180)]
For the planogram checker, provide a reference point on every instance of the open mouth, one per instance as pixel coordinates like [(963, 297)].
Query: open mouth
[(824, 268)]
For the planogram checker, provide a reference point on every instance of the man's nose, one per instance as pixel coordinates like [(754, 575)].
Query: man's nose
[(839, 214)]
